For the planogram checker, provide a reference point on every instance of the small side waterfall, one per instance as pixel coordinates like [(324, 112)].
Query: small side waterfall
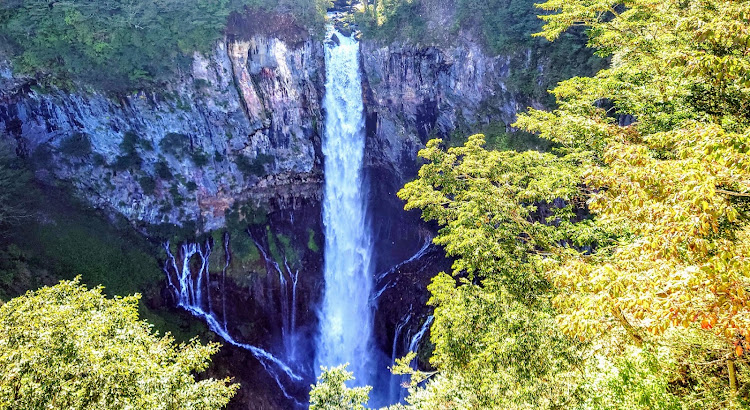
[(346, 313), (384, 280), (394, 390), (192, 289), (288, 278), (417, 338)]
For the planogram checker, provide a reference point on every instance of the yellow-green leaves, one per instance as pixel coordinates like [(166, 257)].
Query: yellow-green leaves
[(504, 217), (637, 230), (331, 393), (677, 180), (70, 347)]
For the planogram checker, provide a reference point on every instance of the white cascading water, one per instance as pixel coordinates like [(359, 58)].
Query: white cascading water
[(346, 313), (394, 391), (192, 290), (289, 336)]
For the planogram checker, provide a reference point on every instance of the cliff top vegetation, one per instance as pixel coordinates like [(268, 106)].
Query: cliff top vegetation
[(121, 46), (502, 27)]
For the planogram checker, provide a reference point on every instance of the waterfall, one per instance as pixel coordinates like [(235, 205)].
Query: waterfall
[(417, 338), (414, 347), (346, 314), (288, 307), (193, 293), (395, 392), (227, 260)]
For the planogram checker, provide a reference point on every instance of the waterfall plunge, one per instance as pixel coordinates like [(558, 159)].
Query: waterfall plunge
[(346, 314), (192, 291)]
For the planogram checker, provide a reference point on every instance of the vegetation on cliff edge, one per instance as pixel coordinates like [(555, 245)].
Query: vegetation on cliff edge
[(122, 46), (502, 27)]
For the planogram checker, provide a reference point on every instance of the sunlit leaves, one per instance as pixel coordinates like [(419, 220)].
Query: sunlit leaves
[(331, 392), (504, 216), (664, 251), (486, 200), (677, 179), (70, 347)]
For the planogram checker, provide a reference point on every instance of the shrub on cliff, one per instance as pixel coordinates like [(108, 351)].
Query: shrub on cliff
[(15, 188), (77, 145), (69, 347)]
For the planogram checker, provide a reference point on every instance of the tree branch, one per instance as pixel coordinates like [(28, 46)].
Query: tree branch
[(732, 193)]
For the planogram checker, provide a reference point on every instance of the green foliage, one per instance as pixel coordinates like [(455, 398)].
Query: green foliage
[(239, 217), (503, 26), (331, 393), (85, 245), (677, 178), (11, 261), (174, 193), (290, 252), (77, 145), (273, 247), (500, 212), (256, 167), (632, 239), (499, 139), (308, 13), (634, 381), (147, 183), (389, 19), (175, 144), (163, 171), (121, 46), (311, 243), (129, 146), (15, 189), (70, 347), (200, 158), (73, 240)]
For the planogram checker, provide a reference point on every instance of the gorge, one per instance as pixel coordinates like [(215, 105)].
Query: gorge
[(266, 173), (357, 204)]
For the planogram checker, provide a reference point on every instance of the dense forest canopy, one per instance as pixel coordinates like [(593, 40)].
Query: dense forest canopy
[(123, 45), (69, 347)]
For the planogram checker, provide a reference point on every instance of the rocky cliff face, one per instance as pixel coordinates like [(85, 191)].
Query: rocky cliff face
[(241, 123), (414, 94), (230, 146), (244, 124), (417, 93)]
